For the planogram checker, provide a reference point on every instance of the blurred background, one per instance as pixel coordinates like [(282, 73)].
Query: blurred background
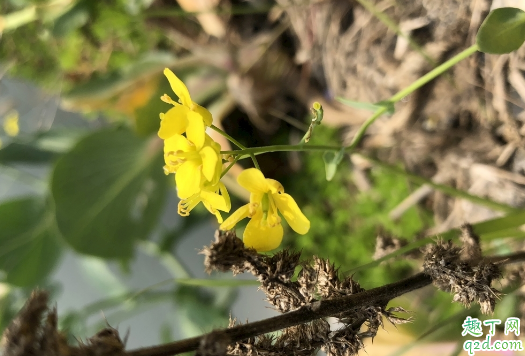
[(87, 213)]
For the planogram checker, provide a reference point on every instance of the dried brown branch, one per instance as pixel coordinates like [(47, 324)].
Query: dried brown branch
[(305, 330)]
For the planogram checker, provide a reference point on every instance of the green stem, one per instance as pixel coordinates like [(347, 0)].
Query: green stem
[(230, 166), (236, 143), (434, 73), (410, 176), (383, 109), (255, 163), (231, 139)]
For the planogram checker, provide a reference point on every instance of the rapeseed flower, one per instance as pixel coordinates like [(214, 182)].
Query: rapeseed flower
[(264, 232), (194, 164), (210, 197), (186, 115), (11, 127)]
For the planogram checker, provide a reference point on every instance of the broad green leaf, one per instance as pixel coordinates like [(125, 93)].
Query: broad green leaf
[(503, 31), (331, 161), (216, 282), (109, 191), (29, 243)]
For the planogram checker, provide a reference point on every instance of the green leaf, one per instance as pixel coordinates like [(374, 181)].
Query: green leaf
[(331, 161), (75, 18), (109, 191), (503, 31), (216, 282), (390, 108), (367, 106), (21, 152), (29, 247), (358, 104)]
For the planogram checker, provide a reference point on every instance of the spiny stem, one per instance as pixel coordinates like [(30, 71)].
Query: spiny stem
[(316, 310), (307, 313)]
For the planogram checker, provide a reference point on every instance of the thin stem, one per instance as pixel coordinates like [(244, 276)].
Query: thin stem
[(231, 139), (412, 177), (236, 143), (307, 313), (383, 109), (255, 163), (230, 166), (434, 73)]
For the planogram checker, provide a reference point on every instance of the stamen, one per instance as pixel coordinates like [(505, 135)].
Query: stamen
[(165, 98), (187, 205)]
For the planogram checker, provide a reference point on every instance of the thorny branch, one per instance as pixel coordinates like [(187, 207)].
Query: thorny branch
[(316, 310), (318, 292)]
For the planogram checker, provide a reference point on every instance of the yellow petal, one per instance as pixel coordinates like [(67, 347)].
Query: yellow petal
[(188, 179), (209, 162), (177, 143), (274, 186), (253, 180), (214, 200), (174, 122), (179, 88), (226, 196), (234, 218), (260, 236), (205, 114), (195, 130), (291, 212), (217, 215)]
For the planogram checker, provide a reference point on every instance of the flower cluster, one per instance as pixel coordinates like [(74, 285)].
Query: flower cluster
[(195, 159)]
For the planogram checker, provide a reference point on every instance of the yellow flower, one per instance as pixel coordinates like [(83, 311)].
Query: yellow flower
[(194, 163), (209, 196), (264, 232), (11, 127), (185, 114)]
